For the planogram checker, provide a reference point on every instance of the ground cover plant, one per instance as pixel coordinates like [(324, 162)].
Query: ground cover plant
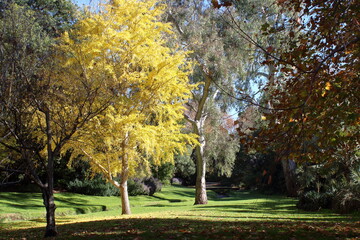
[(170, 214)]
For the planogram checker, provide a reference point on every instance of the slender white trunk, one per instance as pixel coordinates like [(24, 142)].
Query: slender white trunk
[(200, 188), (198, 128), (125, 203)]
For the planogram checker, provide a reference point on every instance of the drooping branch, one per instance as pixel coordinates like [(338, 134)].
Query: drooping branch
[(248, 38), (105, 171)]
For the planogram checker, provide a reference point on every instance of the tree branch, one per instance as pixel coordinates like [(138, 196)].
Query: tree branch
[(3, 169), (189, 119), (106, 172)]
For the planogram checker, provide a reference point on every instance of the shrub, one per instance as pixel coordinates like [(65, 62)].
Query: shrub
[(63, 173), (163, 172), (99, 187), (147, 186), (314, 201), (137, 187), (346, 201), (334, 185), (258, 171), (153, 184), (96, 186), (177, 181), (185, 167)]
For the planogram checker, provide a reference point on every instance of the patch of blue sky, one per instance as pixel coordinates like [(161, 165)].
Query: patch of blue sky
[(86, 3)]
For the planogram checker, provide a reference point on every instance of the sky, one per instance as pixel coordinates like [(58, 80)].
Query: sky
[(80, 3)]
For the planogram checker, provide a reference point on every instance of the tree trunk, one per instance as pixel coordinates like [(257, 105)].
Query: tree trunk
[(200, 188), (48, 191), (289, 174), (198, 124), (288, 166), (125, 203), (48, 197)]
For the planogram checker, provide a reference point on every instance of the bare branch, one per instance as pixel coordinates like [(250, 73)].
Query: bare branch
[(189, 119)]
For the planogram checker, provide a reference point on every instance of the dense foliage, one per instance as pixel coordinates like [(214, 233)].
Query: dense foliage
[(111, 90), (315, 96), (123, 52), (33, 126), (315, 116)]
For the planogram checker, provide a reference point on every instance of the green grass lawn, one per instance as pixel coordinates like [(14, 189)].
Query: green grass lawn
[(170, 214)]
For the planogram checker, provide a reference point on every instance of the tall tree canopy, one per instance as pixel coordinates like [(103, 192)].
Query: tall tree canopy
[(227, 63), (33, 123), (202, 31), (125, 47), (315, 97)]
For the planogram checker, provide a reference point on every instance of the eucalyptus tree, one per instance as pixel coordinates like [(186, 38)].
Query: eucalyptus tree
[(270, 38), (226, 63), (222, 143)]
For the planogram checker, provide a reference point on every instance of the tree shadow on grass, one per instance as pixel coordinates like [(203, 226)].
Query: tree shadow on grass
[(166, 205), (34, 200), (263, 210), (232, 195), (67, 203), (182, 191), (178, 228), (168, 199), (338, 219), (18, 197)]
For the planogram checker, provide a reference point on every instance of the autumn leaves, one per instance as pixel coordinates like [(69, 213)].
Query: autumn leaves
[(121, 53)]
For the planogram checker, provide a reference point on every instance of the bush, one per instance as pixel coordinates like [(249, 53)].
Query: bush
[(153, 184), (185, 167), (346, 201), (337, 182), (177, 181), (314, 201), (163, 172), (147, 186), (258, 171), (63, 174), (96, 186), (137, 187)]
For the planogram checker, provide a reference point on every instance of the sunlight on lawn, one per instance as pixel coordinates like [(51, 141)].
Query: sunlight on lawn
[(171, 214)]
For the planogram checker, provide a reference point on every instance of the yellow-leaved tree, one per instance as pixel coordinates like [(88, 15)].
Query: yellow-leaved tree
[(126, 46)]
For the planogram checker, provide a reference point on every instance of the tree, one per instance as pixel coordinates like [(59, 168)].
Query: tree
[(227, 61), (273, 27), (43, 103), (125, 47), (310, 110), (223, 144), (53, 17), (316, 94), (202, 30), (315, 98)]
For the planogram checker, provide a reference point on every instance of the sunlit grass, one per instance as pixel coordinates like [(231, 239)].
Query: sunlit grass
[(172, 213)]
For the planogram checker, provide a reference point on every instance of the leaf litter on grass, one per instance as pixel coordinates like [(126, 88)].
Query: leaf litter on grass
[(241, 217)]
